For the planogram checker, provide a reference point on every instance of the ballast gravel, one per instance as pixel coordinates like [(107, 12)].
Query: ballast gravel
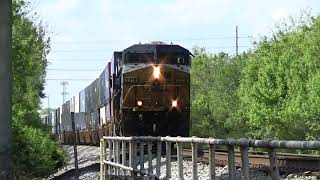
[(88, 155)]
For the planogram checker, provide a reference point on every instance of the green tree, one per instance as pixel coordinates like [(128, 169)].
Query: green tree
[(214, 84), (35, 153), (280, 84)]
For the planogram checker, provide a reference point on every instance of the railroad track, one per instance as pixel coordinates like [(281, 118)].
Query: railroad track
[(287, 162)]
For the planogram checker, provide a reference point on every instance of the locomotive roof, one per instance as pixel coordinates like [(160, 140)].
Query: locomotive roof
[(156, 48)]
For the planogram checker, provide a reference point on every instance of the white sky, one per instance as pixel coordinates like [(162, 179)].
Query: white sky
[(85, 33)]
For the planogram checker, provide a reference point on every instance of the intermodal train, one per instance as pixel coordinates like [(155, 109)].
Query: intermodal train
[(144, 90)]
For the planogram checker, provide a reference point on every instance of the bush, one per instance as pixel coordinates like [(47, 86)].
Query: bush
[(34, 152)]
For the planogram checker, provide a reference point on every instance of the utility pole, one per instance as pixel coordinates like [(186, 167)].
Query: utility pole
[(5, 89), (64, 90), (237, 37)]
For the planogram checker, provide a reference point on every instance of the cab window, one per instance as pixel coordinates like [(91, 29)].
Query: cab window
[(180, 59), (139, 58)]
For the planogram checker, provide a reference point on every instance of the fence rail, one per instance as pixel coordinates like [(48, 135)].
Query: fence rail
[(116, 162)]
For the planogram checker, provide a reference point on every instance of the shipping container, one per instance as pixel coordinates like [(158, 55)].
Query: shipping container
[(66, 117), (82, 99), (108, 112), (115, 63), (95, 119), (60, 122), (48, 122), (79, 119), (57, 126), (72, 104), (102, 84), (77, 104), (104, 81), (103, 115), (53, 122), (92, 96)]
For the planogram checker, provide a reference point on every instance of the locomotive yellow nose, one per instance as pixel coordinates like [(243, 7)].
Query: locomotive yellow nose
[(156, 72)]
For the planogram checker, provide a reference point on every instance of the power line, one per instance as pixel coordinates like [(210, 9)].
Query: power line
[(69, 79), (74, 69), (185, 39), (81, 50), (101, 50), (83, 60)]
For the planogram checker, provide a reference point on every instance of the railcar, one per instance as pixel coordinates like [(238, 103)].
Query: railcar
[(144, 90)]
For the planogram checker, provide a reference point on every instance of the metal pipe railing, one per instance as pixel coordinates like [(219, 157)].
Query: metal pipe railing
[(111, 165)]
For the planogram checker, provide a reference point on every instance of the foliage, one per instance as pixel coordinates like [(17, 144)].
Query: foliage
[(215, 80), (280, 84), (35, 152), (272, 91)]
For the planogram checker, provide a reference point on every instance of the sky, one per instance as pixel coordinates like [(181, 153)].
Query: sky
[(85, 33)]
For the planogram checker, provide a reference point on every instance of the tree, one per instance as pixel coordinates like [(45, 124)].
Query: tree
[(280, 83), (214, 85), (35, 153)]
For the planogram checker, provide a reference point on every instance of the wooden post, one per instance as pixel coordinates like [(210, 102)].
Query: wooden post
[(194, 161), (124, 155), (117, 156), (141, 156), (274, 165), (212, 162), (132, 154), (158, 163), (110, 157), (180, 160), (102, 158), (231, 163), (149, 157), (168, 160), (245, 162), (135, 155)]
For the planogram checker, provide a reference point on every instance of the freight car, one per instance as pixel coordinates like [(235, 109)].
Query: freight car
[(144, 90)]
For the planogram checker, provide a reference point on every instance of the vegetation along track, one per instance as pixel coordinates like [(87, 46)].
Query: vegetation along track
[(287, 162)]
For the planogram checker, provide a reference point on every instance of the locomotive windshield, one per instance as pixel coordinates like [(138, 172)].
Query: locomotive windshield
[(139, 58), (163, 58), (181, 59)]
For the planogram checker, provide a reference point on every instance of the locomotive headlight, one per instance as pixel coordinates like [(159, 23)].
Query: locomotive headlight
[(156, 72), (174, 103), (139, 103)]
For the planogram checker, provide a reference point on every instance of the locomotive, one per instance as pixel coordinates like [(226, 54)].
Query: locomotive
[(144, 90)]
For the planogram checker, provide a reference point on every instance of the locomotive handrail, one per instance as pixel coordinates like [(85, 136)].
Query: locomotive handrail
[(111, 165)]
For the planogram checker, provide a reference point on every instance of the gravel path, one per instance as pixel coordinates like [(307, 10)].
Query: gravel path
[(88, 155)]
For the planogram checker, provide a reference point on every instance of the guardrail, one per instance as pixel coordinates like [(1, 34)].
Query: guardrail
[(116, 162)]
